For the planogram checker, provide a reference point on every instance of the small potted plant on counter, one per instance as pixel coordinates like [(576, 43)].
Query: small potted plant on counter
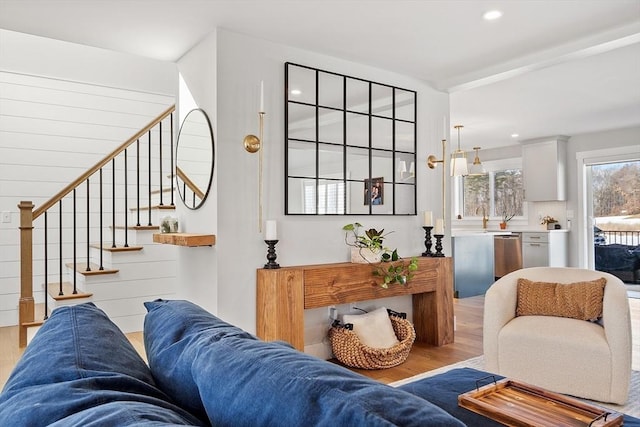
[(368, 247), (505, 219), (549, 222)]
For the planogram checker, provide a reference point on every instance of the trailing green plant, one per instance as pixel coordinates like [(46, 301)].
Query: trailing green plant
[(392, 268)]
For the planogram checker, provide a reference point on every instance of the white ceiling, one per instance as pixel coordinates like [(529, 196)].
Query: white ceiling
[(547, 67)]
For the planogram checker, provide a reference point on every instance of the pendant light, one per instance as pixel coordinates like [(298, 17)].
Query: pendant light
[(476, 168), (459, 159)]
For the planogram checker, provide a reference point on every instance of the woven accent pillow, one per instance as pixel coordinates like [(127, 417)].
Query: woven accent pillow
[(580, 300)]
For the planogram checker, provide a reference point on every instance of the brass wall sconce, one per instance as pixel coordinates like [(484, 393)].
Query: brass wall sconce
[(432, 162), (254, 144)]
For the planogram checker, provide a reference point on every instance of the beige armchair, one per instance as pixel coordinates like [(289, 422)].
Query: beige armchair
[(585, 359)]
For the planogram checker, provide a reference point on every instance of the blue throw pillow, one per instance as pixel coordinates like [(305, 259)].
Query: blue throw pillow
[(235, 379), (174, 333), (80, 369)]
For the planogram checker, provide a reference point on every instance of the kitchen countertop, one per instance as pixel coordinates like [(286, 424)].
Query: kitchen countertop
[(497, 232)]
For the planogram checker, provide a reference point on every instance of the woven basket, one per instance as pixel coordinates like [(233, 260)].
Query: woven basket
[(348, 349)]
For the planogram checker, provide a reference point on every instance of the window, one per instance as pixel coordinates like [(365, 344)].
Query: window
[(508, 193), (498, 192)]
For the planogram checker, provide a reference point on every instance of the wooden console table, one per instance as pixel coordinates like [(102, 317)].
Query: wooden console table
[(283, 295)]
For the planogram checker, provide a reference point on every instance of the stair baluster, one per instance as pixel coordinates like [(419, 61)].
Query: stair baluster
[(46, 269), (160, 162), (88, 236), (60, 247), (113, 229), (75, 240), (113, 199), (149, 224), (138, 181), (126, 205), (171, 150)]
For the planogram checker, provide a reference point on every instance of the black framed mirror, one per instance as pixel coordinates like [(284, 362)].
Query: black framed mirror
[(350, 145), (195, 157)]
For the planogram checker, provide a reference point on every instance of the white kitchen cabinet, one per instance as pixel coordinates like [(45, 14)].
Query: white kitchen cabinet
[(544, 169), (544, 249)]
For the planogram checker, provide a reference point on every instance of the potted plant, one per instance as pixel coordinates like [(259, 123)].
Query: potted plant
[(368, 247), (549, 222), (505, 219)]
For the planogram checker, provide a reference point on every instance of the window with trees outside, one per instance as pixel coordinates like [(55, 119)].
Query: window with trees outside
[(497, 193)]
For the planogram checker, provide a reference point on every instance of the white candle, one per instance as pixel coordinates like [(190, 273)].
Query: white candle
[(262, 96), (428, 219), (439, 226), (271, 232)]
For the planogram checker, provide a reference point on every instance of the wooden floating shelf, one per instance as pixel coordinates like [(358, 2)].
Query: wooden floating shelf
[(185, 239)]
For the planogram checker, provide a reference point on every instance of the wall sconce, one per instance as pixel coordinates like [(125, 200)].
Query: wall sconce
[(459, 159), (254, 144), (477, 168), (432, 162)]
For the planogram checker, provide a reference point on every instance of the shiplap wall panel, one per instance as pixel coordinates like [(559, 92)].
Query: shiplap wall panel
[(63, 114), (51, 131), (38, 90)]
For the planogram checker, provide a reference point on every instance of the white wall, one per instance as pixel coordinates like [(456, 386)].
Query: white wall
[(197, 267), (242, 63)]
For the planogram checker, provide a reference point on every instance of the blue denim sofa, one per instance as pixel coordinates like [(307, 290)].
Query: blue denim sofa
[(80, 370)]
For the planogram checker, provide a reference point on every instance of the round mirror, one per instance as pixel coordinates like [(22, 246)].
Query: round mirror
[(195, 154)]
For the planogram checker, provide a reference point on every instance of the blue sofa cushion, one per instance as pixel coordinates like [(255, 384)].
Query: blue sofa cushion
[(80, 369), (239, 380)]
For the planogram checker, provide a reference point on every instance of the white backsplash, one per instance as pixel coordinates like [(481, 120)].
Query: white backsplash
[(557, 210)]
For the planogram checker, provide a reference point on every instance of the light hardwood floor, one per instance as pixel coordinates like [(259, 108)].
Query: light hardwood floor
[(468, 344)]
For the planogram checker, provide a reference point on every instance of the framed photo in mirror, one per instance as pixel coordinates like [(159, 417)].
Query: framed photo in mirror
[(374, 191)]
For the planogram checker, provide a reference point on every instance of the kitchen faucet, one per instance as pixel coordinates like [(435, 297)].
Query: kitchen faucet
[(484, 217)]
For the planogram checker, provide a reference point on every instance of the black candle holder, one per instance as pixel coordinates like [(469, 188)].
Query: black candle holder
[(271, 255), (427, 241), (438, 245)]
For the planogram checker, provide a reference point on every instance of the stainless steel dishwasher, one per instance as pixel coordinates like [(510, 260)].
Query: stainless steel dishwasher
[(507, 254)]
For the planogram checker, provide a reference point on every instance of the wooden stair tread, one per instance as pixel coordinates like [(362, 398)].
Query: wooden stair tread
[(31, 324), (81, 268), (67, 288), (108, 248), (137, 227), (159, 207)]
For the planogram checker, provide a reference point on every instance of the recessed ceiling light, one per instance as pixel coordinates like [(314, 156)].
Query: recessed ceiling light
[(296, 91), (514, 135), (492, 15)]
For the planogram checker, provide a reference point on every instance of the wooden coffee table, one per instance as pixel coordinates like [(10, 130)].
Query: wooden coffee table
[(514, 403)]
